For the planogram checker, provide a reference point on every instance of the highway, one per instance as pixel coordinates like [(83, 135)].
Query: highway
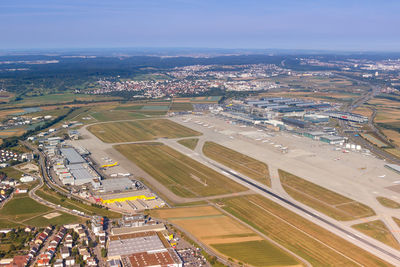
[(309, 213), (358, 139)]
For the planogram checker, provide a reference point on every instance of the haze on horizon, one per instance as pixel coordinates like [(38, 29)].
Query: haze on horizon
[(287, 24)]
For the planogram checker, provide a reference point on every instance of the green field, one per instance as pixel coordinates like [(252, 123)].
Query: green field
[(61, 98), (246, 165), (115, 115), (181, 174), (176, 106), (21, 206), (256, 253), (328, 202), (140, 130), (11, 172), (378, 230), (64, 218), (388, 203), (23, 211), (129, 107), (52, 196), (372, 139), (189, 143), (313, 243), (155, 107)]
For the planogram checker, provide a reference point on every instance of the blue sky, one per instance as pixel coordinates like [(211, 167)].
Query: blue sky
[(286, 24)]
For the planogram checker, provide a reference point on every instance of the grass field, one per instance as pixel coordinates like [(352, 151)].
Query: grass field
[(328, 202), (189, 143), (13, 132), (388, 203), (52, 196), (313, 243), (181, 174), (61, 98), (140, 130), (373, 140), (176, 106), (378, 230), (364, 111), (393, 151), (392, 135), (246, 165), (24, 211), (155, 107), (228, 236), (12, 172), (115, 115), (185, 212), (256, 253), (129, 107)]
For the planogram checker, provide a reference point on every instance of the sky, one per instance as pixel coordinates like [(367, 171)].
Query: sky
[(351, 25)]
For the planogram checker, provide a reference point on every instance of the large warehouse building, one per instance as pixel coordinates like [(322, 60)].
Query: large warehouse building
[(145, 249)]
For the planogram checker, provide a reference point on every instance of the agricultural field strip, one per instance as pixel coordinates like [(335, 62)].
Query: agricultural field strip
[(325, 203), (208, 212), (186, 164), (376, 227), (253, 173), (49, 197), (172, 129), (266, 237), (235, 162), (322, 195), (307, 234), (197, 171)]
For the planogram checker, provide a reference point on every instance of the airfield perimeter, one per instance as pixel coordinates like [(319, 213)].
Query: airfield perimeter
[(355, 175)]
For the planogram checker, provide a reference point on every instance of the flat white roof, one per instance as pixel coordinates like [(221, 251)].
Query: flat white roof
[(135, 245), (72, 156)]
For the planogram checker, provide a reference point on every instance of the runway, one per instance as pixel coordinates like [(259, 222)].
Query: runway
[(307, 212)]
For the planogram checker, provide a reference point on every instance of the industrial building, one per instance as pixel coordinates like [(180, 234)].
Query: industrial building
[(135, 195), (127, 244), (347, 116), (295, 122), (145, 259), (82, 173), (117, 185), (287, 105), (142, 249), (72, 169), (316, 118), (71, 156), (314, 135), (331, 139), (138, 229)]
